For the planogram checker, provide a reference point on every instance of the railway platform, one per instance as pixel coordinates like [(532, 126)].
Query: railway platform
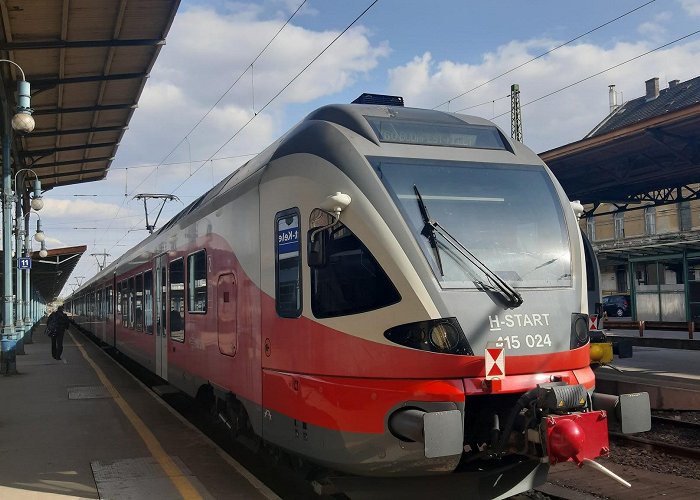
[(671, 376), (83, 427)]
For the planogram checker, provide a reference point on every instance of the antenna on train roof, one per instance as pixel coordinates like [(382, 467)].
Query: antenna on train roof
[(146, 196), (381, 99)]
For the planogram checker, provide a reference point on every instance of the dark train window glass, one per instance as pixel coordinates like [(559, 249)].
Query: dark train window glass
[(288, 264), (98, 302), (351, 281), (130, 306), (110, 298), (148, 302), (138, 305), (177, 300), (125, 304), (197, 282), (456, 135)]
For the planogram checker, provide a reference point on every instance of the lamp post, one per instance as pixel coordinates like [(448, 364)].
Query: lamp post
[(22, 121), (24, 307), (22, 322)]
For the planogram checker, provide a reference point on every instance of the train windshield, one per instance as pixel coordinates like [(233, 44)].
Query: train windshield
[(509, 216)]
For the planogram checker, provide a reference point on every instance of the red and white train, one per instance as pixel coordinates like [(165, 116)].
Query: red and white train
[(336, 296)]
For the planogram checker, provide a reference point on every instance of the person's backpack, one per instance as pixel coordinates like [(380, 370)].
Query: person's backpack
[(52, 325)]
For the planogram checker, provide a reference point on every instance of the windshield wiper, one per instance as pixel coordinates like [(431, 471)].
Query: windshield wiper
[(431, 227), (428, 230)]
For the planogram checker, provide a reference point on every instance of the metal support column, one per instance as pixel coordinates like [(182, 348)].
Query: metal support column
[(8, 364), (19, 242), (28, 318)]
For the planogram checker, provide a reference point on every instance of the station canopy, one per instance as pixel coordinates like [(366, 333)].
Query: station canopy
[(645, 153), (87, 62)]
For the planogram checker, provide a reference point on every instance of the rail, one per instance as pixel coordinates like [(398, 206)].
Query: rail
[(642, 326)]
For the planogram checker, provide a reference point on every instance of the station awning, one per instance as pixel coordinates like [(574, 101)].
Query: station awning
[(652, 160), (50, 274), (87, 62)]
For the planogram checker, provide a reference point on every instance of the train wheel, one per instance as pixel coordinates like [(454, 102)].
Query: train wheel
[(241, 429), (205, 397)]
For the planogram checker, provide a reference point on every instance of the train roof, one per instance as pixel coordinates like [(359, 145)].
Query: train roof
[(408, 126)]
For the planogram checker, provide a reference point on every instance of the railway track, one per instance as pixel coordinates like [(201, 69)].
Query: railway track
[(658, 438)]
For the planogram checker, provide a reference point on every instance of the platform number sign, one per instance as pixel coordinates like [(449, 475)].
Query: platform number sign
[(24, 263)]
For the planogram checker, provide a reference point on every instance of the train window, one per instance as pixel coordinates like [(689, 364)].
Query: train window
[(148, 302), (131, 289), (177, 300), (351, 281), (456, 135), (197, 282), (288, 264), (125, 304), (110, 298), (507, 215), (138, 304)]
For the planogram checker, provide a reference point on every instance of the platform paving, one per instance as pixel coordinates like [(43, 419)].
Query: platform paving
[(65, 435)]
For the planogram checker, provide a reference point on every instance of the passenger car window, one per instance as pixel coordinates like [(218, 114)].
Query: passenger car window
[(138, 305), (351, 280), (148, 302), (197, 282), (177, 300), (288, 264)]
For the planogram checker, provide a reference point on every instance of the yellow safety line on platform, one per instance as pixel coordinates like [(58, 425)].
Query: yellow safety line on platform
[(183, 485)]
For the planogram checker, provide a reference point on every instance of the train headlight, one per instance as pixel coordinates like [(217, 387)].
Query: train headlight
[(444, 336), (438, 335), (579, 330)]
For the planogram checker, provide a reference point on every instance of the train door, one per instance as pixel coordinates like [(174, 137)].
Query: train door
[(160, 303), (226, 314)]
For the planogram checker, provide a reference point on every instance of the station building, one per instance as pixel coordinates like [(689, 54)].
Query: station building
[(637, 175)]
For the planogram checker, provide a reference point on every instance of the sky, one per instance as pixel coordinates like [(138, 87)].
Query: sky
[(214, 100)]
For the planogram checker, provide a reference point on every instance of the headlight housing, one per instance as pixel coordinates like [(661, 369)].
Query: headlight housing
[(579, 330), (438, 335)]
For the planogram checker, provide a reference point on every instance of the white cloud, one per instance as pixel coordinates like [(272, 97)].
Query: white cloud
[(206, 51), (551, 122), (692, 7), (75, 210), (655, 29)]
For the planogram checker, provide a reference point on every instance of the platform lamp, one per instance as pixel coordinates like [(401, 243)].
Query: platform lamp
[(21, 122), (25, 251)]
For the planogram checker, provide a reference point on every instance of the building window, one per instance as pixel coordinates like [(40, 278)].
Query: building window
[(288, 264), (684, 216), (619, 219), (590, 228), (177, 300), (650, 221), (197, 282)]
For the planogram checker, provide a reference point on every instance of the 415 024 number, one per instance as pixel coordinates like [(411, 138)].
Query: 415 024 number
[(533, 341)]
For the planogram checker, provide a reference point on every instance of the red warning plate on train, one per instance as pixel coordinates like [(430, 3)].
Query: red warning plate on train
[(495, 363)]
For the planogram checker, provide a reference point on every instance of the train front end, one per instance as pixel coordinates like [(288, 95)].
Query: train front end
[(506, 271), (457, 342)]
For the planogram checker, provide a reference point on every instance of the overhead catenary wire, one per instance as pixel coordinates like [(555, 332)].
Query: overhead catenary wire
[(542, 55), (194, 127), (238, 78), (211, 157), (603, 71)]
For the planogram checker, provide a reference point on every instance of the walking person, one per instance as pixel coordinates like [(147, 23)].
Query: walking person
[(56, 327)]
